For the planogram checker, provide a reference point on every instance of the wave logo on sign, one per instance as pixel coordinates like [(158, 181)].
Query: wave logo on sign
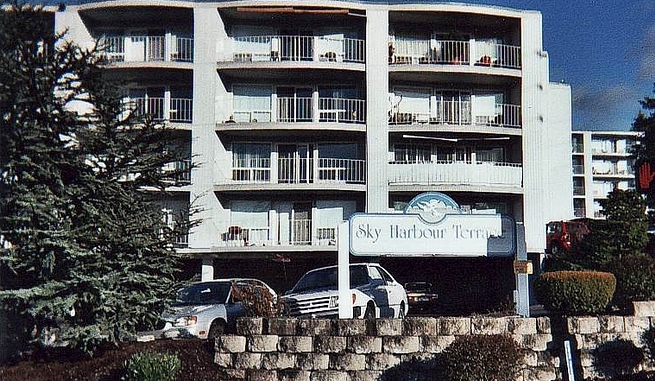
[(432, 206)]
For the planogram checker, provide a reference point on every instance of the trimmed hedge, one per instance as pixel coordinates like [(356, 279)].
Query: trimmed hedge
[(575, 292), (482, 358)]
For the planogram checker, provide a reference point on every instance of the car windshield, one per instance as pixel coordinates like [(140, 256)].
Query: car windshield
[(204, 293), (327, 279)]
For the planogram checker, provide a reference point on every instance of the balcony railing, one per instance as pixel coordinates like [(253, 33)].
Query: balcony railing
[(489, 174), (182, 169), (452, 52), (304, 109), (301, 171), (297, 48), (294, 232), (460, 113), (176, 110), (147, 48)]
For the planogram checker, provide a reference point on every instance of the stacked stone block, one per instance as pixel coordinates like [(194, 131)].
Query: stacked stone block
[(292, 349)]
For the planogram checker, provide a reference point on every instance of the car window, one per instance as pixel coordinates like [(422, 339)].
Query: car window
[(324, 278), (375, 273), (387, 277), (358, 276), (204, 293)]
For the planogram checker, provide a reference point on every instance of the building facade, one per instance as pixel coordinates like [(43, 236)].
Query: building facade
[(602, 161), (301, 113)]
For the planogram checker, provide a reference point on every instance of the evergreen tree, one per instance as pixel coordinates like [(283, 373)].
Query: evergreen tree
[(86, 258)]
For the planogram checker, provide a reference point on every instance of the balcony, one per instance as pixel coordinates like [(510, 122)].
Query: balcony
[(144, 48), (301, 171), (282, 232), (484, 174), (175, 110), (404, 51), (305, 110), (460, 113), (277, 48), (181, 171)]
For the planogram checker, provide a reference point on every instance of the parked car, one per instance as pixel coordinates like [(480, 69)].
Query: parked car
[(375, 293), (208, 309), (421, 296)]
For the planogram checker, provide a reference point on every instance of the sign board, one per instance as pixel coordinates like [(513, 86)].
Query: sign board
[(432, 224), (523, 267)]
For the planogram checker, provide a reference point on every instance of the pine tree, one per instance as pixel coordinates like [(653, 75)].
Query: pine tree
[(86, 258)]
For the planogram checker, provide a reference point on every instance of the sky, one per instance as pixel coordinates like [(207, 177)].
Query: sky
[(604, 49)]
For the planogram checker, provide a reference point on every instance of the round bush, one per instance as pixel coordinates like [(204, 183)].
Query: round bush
[(575, 292), (482, 358), (635, 279)]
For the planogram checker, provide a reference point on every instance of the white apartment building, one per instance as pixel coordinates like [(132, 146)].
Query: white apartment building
[(301, 113), (602, 161)]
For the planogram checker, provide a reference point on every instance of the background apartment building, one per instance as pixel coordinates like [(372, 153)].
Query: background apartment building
[(302, 113), (602, 161)]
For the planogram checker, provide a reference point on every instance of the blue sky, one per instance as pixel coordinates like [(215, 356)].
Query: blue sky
[(604, 49)]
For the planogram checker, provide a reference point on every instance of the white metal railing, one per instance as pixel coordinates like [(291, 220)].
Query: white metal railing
[(182, 169), (458, 173), (182, 49), (294, 109), (297, 48), (460, 113), (342, 170), (282, 233), (181, 110), (303, 109), (119, 48), (152, 106), (342, 110), (403, 51), (300, 170), (255, 170), (178, 110)]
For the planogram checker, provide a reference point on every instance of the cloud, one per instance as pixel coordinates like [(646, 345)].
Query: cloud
[(647, 55), (605, 108)]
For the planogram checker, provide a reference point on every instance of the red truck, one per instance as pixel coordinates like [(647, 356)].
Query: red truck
[(562, 235)]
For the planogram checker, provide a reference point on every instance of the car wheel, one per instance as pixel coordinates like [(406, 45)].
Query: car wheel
[(217, 328), (370, 312), (401, 313)]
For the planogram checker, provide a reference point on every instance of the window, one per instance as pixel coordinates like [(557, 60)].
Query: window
[(251, 161), (252, 103), (412, 153)]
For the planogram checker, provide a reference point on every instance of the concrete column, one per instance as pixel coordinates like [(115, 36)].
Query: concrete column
[(377, 104)]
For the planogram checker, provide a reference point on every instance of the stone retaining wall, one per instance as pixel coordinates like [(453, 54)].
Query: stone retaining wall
[(288, 349)]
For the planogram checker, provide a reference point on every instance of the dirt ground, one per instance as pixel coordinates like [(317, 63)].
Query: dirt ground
[(196, 357)]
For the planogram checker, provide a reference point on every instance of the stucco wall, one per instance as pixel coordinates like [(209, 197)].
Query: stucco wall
[(394, 349)]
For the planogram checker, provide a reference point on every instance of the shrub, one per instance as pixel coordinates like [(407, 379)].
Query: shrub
[(482, 358), (648, 339), (635, 279), (617, 358), (575, 292), (150, 366), (256, 301)]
